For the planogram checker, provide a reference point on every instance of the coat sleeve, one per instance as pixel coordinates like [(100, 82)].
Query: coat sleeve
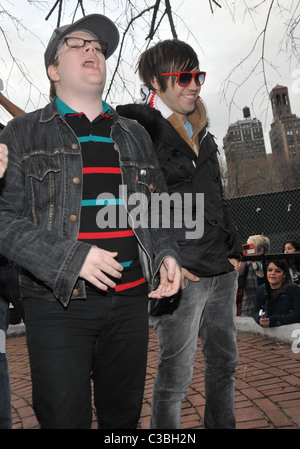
[(164, 240), (292, 314), (51, 258), (259, 302)]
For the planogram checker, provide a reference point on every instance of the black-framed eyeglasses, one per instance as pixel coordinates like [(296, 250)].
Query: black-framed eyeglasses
[(184, 79), (78, 42)]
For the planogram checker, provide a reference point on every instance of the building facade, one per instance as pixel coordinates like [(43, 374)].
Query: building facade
[(246, 157)]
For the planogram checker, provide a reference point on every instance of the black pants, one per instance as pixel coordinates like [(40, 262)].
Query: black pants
[(101, 338), (9, 292)]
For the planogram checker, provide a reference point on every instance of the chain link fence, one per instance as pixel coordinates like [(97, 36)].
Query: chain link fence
[(275, 215)]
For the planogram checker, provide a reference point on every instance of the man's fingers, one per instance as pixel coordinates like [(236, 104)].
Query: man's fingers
[(98, 265), (100, 285), (3, 159), (170, 278)]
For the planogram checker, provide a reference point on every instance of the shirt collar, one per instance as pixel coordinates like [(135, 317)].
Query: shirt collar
[(65, 109)]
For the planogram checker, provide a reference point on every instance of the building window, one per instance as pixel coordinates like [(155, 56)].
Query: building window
[(278, 100)]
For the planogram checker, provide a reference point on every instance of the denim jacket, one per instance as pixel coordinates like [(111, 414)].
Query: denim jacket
[(40, 202)]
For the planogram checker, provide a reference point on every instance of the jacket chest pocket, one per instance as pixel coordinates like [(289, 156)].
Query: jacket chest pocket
[(146, 180), (44, 173)]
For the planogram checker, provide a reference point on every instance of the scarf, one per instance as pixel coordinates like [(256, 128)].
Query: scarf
[(152, 99)]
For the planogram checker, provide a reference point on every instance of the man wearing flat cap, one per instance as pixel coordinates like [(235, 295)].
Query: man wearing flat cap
[(68, 220)]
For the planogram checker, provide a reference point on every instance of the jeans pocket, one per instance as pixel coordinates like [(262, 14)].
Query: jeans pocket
[(186, 281)]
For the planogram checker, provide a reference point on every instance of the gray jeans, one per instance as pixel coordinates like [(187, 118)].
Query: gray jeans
[(207, 310)]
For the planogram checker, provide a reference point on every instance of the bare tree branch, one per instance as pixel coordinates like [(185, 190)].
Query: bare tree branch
[(122, 44), (146, 19), (170, 16), (58, 2), (154, 16), (211, 6), (262, 61)]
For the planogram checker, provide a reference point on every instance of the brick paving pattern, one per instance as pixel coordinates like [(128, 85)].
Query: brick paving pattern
[(267, 386)]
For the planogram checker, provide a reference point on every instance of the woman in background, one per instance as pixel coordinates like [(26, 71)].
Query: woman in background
[(284, 305)]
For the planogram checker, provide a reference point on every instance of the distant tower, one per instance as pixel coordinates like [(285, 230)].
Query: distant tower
[(280, 102), (285, 129)]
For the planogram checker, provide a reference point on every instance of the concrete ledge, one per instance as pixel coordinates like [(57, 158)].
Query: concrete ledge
[(281, 333), (15, 330)]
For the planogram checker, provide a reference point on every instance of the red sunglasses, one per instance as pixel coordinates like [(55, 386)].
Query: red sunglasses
[(184, 79)]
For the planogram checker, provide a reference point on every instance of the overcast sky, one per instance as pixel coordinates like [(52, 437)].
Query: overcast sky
[(221, 40)]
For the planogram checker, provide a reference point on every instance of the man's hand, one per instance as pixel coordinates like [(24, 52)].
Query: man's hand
[(3, 159), (170, 278), (264, 322), (97, 265), (235, 263), (188, 275)]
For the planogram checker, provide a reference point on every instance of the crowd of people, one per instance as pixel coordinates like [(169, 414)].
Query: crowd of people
[(85, 289)]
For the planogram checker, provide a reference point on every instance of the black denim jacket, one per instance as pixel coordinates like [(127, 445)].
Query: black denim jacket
[(40, 202)]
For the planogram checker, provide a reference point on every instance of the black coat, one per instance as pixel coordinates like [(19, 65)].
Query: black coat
[(282, 308), (184, 173)]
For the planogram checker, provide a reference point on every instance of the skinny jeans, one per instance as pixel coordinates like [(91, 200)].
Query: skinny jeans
[(102, 339), (206, 309)]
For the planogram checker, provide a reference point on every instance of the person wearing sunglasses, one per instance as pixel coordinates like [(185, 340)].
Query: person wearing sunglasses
[(174, 114), (85, 280)]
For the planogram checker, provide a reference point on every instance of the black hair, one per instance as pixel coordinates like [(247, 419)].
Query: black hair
[(171, 55), (294, 243), (293, 262)]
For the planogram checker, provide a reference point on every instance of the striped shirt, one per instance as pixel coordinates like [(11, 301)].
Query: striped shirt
[(104, 221)]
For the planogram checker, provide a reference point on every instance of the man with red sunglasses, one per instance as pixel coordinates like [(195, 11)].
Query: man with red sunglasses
[(175, 117)]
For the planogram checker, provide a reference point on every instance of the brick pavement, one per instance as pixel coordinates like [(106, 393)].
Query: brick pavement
[(267, 386)]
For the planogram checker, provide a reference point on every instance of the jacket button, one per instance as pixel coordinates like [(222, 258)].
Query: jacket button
[(74, 146), (73, 218), (75, 292), (76, 180)]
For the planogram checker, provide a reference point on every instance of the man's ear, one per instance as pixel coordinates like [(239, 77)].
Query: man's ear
[(155, 84), (52, 72)]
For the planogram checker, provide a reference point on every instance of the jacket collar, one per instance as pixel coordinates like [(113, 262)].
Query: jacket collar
[(281, 289), (51, 110), (158, 128), (198, 119)]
